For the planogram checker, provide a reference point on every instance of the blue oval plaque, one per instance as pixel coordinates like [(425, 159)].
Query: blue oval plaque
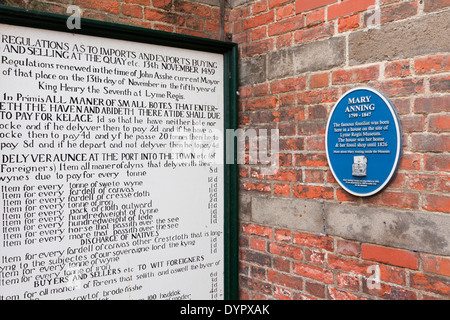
[(363, 141)]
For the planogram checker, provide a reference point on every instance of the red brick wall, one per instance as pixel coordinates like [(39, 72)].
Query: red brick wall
[(286, 263), (195, 18), (296, 58)]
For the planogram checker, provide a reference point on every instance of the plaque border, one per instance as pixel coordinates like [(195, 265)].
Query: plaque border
[(229, 50), (398, 135)]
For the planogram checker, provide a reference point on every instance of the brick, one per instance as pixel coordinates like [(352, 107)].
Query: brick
[(255, 285), (397, 69), (301, 296), (348, 7), (292, 144), (259, 33), (143, 2), (398, 11), (318, 80), (403, 200), (259, 20), (431, 104), (103, 5), (435, 202), (440, 84), (285, 175), (285, 11), (392, 256), (257, 230), (314, 33), (437, 162), (256, 48), (431, 283), (355, 75), (317, 112), (285, 250), (260, 89), (412, 123), (313, 272), (433, 64), (313, 240), (277, 3), (335, 294), (316, 257), (261, 103), (305, 5), (349, 23), (190, 7), (287, 101), (255, 257), (285, 280), (240, 13), (285, 160), (430, 142), (436, 264), (314, 176), (313, 192), (311, 127), (310, 57), (315, 289), (315, 17), (348, 281), (282, 189), (318, 96), (292, 114), (409, 162), (402, 87), (284, 41), (342, 195), (311, 160), (259, 6), (392, 275), (132, 11), (288, 85), (286, 25), (258, 244), (348, 248), (282, 293), (162, 16), (389, 292), (258, 272), (194, 23), (315, 143), (212, 26), (429, 182), (433, 5), (402, 105), (438, 122), (161, 4), (283, 235), (348, 265)]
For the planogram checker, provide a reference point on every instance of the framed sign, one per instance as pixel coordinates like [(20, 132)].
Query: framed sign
[(113, 179), (363, 141)]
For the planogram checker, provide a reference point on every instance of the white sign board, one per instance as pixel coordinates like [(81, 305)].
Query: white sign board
[(110, 179)]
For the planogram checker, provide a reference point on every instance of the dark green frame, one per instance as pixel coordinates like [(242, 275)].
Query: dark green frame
[(39, 20)]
